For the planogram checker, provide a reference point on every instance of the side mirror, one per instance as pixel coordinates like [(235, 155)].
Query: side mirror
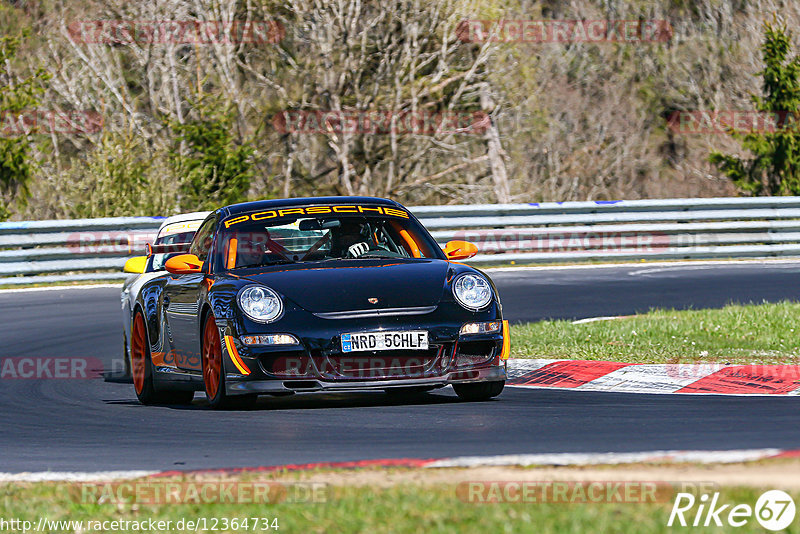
[(460, 250), (135, 265), (184, 264)]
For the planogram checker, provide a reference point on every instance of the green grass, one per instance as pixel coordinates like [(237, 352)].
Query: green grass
[(407, 508), (764, 334)]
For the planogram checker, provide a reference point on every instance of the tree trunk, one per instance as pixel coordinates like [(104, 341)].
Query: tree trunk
[(494, 151)]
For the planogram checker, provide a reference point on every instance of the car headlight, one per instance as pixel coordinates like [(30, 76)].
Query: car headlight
[(260, 304), (472, 291)]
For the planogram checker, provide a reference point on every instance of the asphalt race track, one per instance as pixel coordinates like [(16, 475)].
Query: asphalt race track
[(579, 293), (97, 425)]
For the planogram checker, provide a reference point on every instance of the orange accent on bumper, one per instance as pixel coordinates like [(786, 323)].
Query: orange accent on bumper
[(234, 354), (506, 342)]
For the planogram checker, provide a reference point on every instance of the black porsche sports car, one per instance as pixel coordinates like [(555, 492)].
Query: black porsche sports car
[(316, 294)]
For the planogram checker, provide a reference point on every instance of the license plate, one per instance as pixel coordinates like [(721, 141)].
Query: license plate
[(408, 340)]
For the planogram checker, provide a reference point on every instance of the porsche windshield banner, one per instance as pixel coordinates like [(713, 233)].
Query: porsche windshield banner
[(316, 210)]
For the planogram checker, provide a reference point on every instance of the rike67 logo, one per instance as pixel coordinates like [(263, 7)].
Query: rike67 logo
[(774, 510)]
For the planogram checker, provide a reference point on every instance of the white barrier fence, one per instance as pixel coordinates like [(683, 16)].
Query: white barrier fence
[(504, 233)]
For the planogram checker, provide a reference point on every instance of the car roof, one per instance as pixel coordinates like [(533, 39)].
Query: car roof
[(194, 216), (246, 207), (183, 217)]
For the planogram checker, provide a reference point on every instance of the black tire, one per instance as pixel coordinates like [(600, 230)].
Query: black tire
[(479, 391), (141, 364), (217, 397), (146, 391), (223, 401), (126, 356)]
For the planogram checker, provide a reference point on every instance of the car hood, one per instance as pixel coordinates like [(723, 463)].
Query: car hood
[(347, 285)]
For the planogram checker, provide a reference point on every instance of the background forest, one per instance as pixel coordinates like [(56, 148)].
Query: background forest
[(185, 126)]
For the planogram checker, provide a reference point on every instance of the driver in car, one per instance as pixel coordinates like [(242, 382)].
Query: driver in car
[(252, 249), (354, 239)]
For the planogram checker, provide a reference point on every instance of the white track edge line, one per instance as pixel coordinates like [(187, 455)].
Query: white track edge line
[(566, 459), (73, 476), (59, 288)]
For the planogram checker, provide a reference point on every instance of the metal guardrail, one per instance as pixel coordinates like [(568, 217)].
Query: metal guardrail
[(504, 233), (71, 250)]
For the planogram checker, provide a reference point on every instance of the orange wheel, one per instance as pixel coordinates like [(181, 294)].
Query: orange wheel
[(212, 359), (142, 370), (214, 371), (138, 353)]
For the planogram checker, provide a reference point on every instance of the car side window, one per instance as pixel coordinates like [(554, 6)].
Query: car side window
[(201, 244)]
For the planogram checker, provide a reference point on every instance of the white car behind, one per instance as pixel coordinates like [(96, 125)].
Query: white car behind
[(175, 229)]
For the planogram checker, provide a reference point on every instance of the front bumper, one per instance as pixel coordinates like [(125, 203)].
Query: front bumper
[(487, 374), (317, 363)]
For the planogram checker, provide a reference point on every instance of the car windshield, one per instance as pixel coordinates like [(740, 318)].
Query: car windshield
[(158, 260), (331, 237)]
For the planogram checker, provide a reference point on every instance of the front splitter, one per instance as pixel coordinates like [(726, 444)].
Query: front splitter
[(301, 385)]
